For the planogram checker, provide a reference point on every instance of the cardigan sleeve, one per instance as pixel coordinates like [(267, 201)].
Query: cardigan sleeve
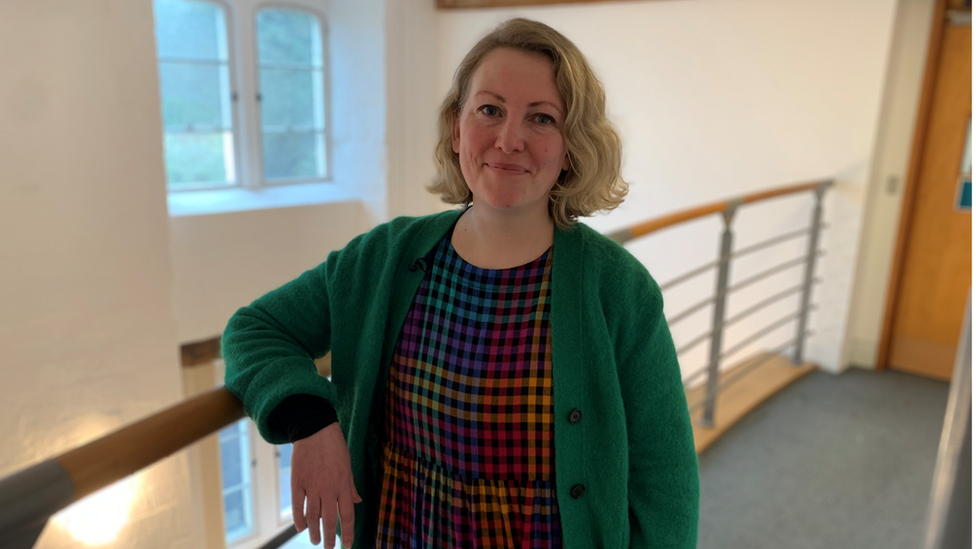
[(662, 487), (301, 416), (269, 349)]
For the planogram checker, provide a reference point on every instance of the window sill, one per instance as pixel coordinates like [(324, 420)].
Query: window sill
[(187, 203)]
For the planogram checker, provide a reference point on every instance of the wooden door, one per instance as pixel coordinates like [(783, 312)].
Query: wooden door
[(936, 271)]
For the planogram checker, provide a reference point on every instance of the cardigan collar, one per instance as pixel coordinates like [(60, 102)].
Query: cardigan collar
[(567, 243)]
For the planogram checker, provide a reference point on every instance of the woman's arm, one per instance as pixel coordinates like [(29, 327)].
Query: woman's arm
[(663, 476), (269, 348)]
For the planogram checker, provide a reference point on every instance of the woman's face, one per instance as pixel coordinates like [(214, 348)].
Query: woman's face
[(509, 133)]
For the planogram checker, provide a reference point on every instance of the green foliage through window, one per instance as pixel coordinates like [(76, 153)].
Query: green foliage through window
[(293, 99), (195, 94)]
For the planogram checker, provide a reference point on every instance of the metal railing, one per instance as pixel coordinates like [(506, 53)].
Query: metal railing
[(949, 516), (715, 335), (28, 498)]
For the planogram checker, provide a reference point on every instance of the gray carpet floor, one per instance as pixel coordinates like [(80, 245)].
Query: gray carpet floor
[(832, 461)]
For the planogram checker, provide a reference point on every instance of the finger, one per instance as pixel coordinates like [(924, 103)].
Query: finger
[(356, 499), (312, 515), (347, 518), (298, 507), (329, 524)]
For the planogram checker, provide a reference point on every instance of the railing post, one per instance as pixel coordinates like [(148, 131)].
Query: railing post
[(814, 241), (718, 314)]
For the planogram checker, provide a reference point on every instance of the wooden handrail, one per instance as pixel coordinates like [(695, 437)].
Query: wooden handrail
[(663, 222), (125, 451)]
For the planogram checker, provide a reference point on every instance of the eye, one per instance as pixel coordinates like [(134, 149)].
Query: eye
[(545, 119), (489, 110)]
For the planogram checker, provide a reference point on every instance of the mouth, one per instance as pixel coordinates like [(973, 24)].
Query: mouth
[(507, 169)]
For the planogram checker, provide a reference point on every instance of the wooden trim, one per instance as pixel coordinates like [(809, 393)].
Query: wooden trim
[(911, 183), (663, 222), (469, 4), (200, 352), (125, 451)]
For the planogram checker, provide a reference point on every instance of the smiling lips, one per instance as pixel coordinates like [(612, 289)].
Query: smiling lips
[(507, 169)]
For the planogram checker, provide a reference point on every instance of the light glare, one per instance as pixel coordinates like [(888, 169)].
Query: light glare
[(98, 518)]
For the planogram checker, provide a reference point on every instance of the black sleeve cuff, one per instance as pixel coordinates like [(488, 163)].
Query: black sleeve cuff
[(301, 416)]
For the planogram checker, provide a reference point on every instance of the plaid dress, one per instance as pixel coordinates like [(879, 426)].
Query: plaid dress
[(469, 456)]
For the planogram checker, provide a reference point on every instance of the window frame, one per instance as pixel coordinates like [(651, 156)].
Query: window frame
[(254, 471), (244, 75), (283, 518), (325, 83)]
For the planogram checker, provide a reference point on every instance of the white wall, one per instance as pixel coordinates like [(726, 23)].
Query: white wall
[(412, 99), (87, 331), (225, 261), (714, 99), (358, 81)]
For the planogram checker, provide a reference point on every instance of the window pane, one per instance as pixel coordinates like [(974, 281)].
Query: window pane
[(194, 159), (230, 462), (293, 99), (294, 155), (284, 480), (235, 468), (235, 519), (190, 29), (193, 94), (288, 36), (288, 98)]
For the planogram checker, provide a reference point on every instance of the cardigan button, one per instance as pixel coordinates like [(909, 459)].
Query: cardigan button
[(577, 491), (575, 416)]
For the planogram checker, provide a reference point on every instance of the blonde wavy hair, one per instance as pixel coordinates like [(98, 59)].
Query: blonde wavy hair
[(592, 183)]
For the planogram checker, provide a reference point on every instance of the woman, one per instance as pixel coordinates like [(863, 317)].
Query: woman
[(503, 375)]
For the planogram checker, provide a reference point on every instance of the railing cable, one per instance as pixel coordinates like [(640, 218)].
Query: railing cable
[(744, 314), (743, 370), (738, 253), (769, 328), (752, 280)]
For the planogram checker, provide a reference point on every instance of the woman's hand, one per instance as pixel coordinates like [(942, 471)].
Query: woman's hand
[(321, 473)]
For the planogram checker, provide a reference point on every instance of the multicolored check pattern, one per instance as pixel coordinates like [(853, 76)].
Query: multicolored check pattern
[(469, 457)]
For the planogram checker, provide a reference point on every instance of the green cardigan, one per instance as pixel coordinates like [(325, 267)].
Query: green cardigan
[(626, 473)]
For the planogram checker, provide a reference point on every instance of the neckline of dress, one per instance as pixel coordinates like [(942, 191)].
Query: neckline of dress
[(453, 253)]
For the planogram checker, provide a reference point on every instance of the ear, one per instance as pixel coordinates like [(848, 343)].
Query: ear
[(456, 135), (566, 163)]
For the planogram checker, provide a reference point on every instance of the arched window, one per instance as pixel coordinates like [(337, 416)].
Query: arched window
[(213, 141)]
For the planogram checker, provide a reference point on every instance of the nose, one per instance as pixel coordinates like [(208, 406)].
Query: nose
[(510, 139)]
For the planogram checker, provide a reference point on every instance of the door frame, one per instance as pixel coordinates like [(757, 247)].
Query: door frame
[(943, 9)]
